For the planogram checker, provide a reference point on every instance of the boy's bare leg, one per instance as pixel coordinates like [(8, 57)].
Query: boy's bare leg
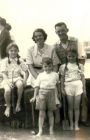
[(51, 122), (41, 121)]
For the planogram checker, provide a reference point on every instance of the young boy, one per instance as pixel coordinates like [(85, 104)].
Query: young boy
[(45, 87)]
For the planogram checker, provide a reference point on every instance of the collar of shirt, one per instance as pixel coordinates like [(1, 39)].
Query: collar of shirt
[(13, 60), (69, 38), (36, 50)]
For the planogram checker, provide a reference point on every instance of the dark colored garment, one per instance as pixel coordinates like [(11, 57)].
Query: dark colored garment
[(5, 39), (62, 53)]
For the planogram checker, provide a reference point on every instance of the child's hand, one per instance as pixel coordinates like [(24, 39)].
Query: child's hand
[(32, 100)]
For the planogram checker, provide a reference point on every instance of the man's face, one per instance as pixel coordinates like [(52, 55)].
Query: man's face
[(61, 31)]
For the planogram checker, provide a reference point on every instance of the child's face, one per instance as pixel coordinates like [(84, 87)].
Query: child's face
[(13, 52), (47, 68), (71, 57)]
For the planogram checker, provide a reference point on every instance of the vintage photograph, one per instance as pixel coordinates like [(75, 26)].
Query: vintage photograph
[(44, 70)]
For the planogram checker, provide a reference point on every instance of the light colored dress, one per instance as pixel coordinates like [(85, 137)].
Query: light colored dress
[(34, 57), (13, 70)]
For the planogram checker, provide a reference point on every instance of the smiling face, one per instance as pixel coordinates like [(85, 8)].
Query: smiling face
[(13, 52), (61, 31), (39, 38)]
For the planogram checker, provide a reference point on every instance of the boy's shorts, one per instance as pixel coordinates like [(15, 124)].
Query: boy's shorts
[(74, 88), (46, 100)]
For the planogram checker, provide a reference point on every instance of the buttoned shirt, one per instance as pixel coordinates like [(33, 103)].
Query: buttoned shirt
[(34, 57)]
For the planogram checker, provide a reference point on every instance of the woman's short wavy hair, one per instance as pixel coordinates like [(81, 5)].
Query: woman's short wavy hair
[(39, 30)]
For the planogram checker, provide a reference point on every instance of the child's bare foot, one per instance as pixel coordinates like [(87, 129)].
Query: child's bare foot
[(7, 112), (77, 128), (18, 108), (51, 132)]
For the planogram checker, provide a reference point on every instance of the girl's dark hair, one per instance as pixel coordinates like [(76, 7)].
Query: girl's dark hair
[(73, 51), (39, 30), (18, 61), (8, 48)]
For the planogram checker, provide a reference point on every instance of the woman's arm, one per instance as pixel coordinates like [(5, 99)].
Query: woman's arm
[(26, 75), (32, 71)]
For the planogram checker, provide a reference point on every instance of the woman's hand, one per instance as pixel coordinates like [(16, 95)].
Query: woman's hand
[(32, 99)]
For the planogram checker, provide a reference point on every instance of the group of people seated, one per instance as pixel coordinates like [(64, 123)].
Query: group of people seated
[(54, 71)]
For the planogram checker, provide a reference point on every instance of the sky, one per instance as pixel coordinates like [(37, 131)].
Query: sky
[(27, 15)]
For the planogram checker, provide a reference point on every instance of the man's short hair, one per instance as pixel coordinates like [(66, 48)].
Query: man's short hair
[(60, 24)]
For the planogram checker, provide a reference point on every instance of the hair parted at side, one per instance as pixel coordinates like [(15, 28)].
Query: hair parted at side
[(39, 30), (47, 60)]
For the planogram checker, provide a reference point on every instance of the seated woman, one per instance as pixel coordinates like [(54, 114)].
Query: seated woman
[(13, 67), (36, 53)]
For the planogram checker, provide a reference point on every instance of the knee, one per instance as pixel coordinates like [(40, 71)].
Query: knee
[(50, 114), (76, 107), (42, 114), (19, 84), (7, 91)]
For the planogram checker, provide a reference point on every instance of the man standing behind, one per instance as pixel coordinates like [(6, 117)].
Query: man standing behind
[(65, 45)]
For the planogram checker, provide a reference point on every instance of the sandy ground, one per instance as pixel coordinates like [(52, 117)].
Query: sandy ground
[(6, 133)]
